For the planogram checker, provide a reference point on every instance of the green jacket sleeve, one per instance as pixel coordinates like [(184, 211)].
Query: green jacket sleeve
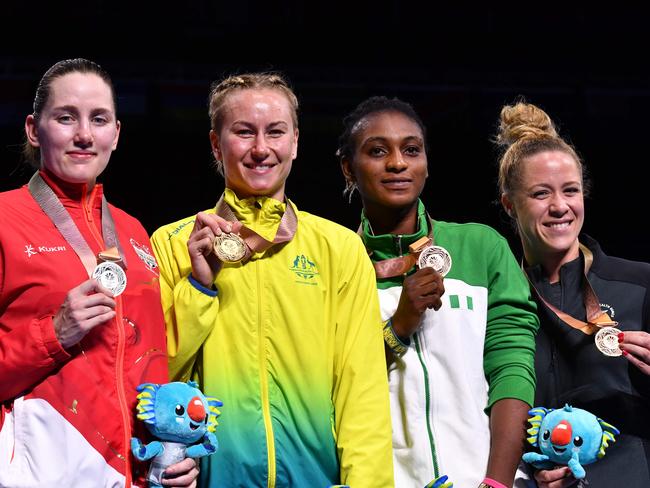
[(360, 394), (512, 323)]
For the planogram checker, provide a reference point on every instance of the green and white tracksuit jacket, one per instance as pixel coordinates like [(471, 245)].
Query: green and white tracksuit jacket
[(291, 343), (477, 349)]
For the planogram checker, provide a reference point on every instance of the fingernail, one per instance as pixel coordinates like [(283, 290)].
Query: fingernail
[(621, 336), (625, 353)]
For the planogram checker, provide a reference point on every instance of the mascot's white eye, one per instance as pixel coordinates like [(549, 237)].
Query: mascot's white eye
[(546, 435), (577, 441), (179, 410)]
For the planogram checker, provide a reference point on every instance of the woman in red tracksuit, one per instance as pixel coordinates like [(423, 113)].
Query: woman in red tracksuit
[(72, 351)]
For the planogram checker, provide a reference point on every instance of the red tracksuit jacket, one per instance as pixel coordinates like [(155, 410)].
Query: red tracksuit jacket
[(67, 416)]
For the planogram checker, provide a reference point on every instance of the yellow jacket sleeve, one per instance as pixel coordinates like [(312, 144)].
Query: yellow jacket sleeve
[(190, 309), (362, 412)]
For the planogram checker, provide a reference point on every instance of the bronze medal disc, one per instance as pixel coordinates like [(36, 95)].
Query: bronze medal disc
[(435, 257), (229, 248), (607, 341), (111, 275)]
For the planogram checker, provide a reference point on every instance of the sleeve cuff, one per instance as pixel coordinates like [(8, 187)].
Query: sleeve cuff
[(208, 291), (50, 341), (512, 387)]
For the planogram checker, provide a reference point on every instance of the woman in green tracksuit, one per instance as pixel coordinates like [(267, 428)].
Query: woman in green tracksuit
[(454, 355)]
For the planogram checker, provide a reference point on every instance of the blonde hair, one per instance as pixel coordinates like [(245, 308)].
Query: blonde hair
[(526, 130), (248, 81)]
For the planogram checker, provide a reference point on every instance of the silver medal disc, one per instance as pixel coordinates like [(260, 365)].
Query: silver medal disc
[(110, 275), (435, 257), (607, 341), (229, 248)]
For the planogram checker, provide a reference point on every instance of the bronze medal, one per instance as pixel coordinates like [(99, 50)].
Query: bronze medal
[(607, 341), (435, 257)]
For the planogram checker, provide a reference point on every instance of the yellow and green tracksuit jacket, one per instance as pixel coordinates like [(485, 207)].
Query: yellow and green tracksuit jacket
[(291, 343)]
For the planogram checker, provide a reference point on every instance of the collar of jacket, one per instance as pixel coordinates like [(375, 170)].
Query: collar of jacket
[(71, 194), (388, 246), (261, 214), (536, 272)]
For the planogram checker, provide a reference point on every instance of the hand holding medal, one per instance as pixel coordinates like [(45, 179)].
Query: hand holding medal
[(212, 242), (86, 306), (421, 290), (635, 346)]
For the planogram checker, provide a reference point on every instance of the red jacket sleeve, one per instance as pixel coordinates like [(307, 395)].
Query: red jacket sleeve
[(28, 353)]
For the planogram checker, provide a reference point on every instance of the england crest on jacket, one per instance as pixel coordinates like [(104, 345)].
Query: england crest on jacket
[(145, 255)]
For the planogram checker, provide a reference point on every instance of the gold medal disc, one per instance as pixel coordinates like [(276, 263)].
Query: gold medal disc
[(111, 275), (607, 341), (435, 257), (229, 248)]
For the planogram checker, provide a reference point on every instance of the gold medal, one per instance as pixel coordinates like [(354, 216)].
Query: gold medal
[(607, 341), (111, 276), (229, 248), (435, 257)]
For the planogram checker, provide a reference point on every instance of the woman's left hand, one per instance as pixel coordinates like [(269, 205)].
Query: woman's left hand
[(636, 348), (182, 475)]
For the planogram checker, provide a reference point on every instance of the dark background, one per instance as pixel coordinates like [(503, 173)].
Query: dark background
[(587, 67)]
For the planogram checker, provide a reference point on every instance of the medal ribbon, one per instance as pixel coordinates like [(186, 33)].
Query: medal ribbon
[(254, 241), (596, 318), (54, 209), (388, 268)]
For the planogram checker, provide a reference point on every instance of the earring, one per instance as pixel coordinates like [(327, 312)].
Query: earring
[(350, 187)]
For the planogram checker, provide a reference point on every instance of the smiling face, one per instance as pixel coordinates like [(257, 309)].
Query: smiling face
[(389, 163), (257, 142), (548, 207), (77, 129)]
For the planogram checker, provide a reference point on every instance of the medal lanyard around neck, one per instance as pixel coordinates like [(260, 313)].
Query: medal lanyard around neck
[(54, 209), (596, 318), (254, 241), (389, 268)]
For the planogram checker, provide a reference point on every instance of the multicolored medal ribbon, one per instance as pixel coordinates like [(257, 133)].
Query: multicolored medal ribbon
[(233, 248), (421, 252), (598, 321), (107, 267)]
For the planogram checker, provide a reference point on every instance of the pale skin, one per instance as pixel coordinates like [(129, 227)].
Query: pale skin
[(257, 143), (548, 206), (389, 166), (76, 133)]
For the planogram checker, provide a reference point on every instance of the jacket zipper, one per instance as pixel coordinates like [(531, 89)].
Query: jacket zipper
[(119, 363), (264, 385), (427, 394)]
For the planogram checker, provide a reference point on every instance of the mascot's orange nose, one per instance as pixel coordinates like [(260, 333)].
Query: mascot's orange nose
[(195, 409), (562, 434)]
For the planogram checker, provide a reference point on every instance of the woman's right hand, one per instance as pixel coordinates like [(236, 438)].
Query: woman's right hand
[(205, 265), (420, 291), (555, 478), (84, 308)]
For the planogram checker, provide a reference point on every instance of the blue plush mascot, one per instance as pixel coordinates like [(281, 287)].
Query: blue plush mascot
[(182, 418), (567, 436)]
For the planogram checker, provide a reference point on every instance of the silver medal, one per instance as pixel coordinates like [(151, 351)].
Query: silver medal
[(110, 275), (435, 257), (229, 248), (607, 341)]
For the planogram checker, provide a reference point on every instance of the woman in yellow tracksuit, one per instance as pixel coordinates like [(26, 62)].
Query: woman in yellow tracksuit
[(289, 338)]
